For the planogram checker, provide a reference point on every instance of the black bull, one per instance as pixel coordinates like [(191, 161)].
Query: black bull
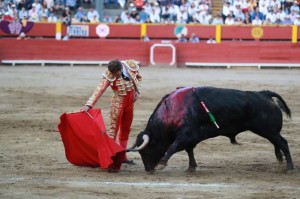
[(180, 122)]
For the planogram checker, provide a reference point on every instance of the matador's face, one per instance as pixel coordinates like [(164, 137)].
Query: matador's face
[(117, 74)]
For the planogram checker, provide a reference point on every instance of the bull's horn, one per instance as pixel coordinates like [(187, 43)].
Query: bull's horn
[(131, 148), (143, 145), (146, 141)]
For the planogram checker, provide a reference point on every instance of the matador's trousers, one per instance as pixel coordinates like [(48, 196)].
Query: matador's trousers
[(121, 115)]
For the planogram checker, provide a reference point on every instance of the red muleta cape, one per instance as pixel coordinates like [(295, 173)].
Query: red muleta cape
[(86, 142)]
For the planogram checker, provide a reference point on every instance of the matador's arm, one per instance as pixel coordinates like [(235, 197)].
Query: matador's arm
[(102, 86)]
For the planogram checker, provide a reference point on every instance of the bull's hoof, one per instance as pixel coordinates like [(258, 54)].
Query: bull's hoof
[(279, 157), (160, 166), (293, 171), (191, 170), (280, 161), (235, 143), (151, 172)]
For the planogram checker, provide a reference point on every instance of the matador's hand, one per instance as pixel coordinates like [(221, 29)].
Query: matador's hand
[(85, 108), (136, 96)]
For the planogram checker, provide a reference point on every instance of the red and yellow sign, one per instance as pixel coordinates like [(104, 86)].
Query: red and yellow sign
[(257, 32)]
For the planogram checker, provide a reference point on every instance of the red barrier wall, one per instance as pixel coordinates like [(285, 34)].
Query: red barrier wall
[(101, 49), (50, 49), (240, 52), (166, 31)]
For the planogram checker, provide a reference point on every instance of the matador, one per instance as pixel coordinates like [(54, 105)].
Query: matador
[(124, 79)]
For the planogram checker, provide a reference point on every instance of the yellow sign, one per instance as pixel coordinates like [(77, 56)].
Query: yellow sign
[(257, 32)]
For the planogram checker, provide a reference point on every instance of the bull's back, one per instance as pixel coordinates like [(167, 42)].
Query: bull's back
[(239, 109), (230, 107)]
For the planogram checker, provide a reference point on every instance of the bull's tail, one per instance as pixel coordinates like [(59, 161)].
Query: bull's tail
[(280, 101)]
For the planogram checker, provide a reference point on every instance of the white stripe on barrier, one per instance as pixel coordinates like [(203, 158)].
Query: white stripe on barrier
[(44, 62), (229, 65), (58, 62)]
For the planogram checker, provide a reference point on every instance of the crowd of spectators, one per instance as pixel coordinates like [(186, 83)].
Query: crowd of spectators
[(234, 12), (262, 12), (48, 10), (162, 11)]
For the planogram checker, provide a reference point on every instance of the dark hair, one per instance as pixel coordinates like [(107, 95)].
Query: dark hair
[(114, 66)]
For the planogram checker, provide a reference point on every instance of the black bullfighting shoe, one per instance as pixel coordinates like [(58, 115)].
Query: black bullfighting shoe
[(130, 162)]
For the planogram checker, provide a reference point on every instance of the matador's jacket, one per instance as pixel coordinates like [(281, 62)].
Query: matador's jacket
[(122, 102)]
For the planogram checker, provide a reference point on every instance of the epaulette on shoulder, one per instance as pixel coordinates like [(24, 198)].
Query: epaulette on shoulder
[(131, 65), (109, 76)]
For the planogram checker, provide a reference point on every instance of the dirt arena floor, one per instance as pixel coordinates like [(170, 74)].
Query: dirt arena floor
[(32, 158)]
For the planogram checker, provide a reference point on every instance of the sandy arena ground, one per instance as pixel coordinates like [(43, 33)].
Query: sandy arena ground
[(32, 158)]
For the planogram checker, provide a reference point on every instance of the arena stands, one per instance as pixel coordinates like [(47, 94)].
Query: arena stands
[(131, 20), (278, 12)]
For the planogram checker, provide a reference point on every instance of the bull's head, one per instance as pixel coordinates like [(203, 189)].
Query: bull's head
[(150, 150)]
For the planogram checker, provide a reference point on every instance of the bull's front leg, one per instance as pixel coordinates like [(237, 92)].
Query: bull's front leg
[(163, 161)]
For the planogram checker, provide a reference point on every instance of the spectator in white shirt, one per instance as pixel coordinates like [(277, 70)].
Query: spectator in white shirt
[(229, 20), (217, 20), (226, 10), (52, 18), (37, 5), (237, 2), (246, 6), (147, 7), (91, 13), (23, 13), (182, 16), (272, 16), (264, 9), (293, 15), (295, 7), (266, 3), (203, 7), (33, 15), (256, 21), (192, 9), (124, 16), (240, 14), (211, 40), (197, 17), (274, 4), (166, 13), (268, 21), (44, 12), (280, 14), (297, 21), (154, 16), (174, 9), (207, 18), (157, 8), (49, 3), (238, 21)]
